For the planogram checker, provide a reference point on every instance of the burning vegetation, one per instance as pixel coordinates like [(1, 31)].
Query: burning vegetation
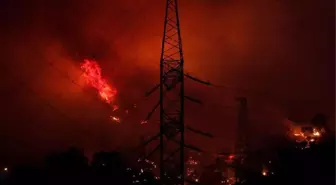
[(92, 73), (93, 76), (305, 132)]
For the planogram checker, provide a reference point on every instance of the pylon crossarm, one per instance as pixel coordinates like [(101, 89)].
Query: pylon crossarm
[(153, 110), (151, 139), (200, 132), (197, 80), (191, 147), (152, 152), (172, 154), (193, 99), (152, 90)]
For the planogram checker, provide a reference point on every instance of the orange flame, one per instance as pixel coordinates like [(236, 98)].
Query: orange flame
[(93, 76)]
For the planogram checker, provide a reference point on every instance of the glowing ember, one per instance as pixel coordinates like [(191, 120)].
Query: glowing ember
[(316, 133), (191, 170), (191, 161), (231, 157), (264, 171), (116, 119), (143, 122), (93, 76), (115, 107)]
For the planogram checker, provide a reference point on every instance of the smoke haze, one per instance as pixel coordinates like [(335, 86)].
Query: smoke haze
[(277, 53)]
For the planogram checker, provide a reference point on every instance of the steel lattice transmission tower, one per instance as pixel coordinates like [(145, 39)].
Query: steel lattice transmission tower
[(241, 150), (171, 96), (171, 104), (241, 141)]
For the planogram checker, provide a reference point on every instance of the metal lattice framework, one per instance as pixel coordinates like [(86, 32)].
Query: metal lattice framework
[(240, 146), (241, 141), (171, 96), (171, 102)]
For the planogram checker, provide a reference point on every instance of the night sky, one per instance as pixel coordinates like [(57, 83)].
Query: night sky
[(277, 53)]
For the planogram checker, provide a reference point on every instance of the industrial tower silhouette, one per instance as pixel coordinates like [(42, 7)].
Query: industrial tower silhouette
[(171, 104), (241, 141), (241, 145)]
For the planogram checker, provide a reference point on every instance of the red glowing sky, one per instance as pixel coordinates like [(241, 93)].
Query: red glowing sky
[(280, 52)]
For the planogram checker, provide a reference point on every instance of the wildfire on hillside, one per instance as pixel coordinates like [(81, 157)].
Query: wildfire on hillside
[(93, 76), (304, 132)]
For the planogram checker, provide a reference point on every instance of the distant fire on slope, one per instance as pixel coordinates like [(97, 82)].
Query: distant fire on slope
[(93, 76), (304, 132), (92, 73)]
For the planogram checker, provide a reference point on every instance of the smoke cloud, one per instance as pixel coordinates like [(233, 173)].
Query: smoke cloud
[(277, 53)]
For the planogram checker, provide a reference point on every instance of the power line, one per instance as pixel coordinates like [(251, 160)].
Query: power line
[(46, 102), (66, 76), (235, 89)]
